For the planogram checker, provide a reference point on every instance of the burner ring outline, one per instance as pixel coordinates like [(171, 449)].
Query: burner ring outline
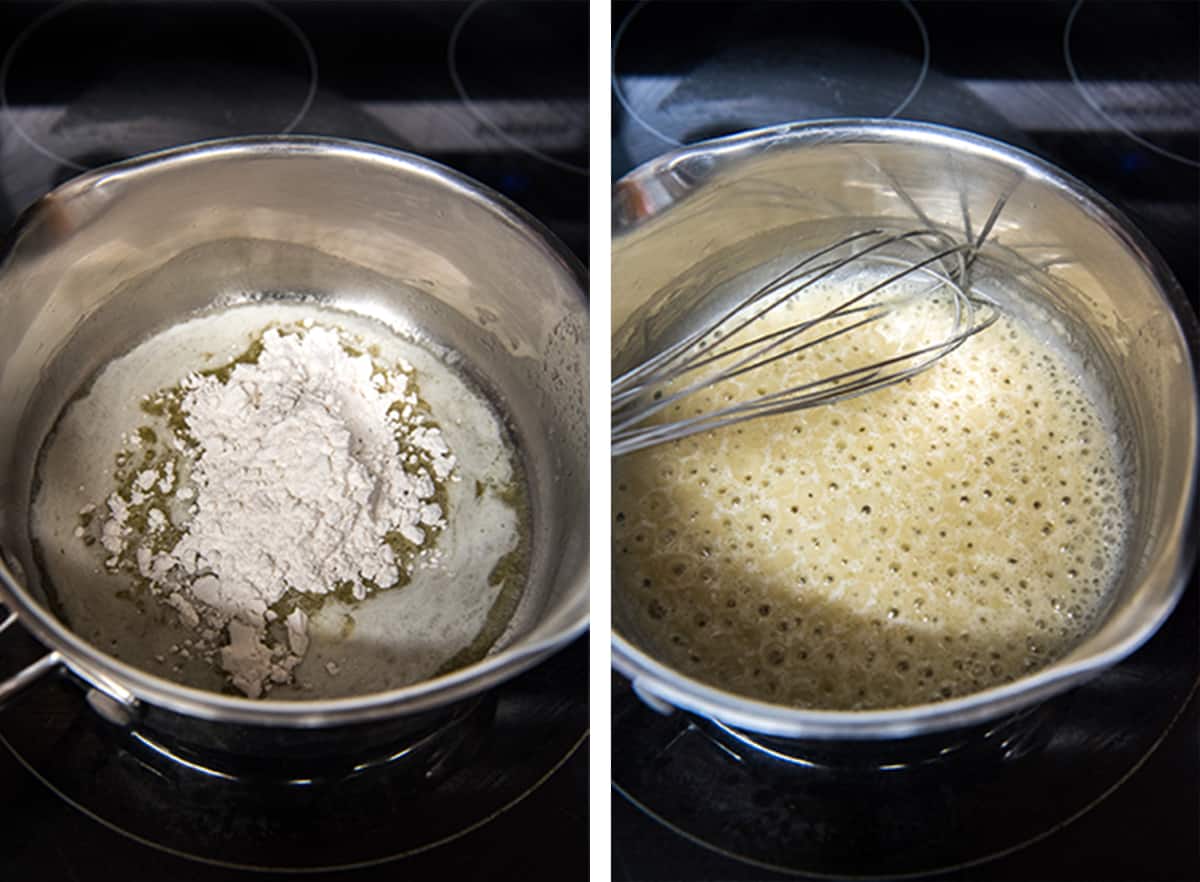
[(1096, 106), (310, 56), (627, 105), (464, 96)]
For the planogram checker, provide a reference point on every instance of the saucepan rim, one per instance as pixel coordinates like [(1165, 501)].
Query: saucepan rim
[(128, 684)]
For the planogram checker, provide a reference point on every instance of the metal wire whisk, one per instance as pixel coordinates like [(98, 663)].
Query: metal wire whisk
[(669, 376)]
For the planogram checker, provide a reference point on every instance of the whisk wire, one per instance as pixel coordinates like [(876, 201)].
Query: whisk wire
[(679, 348), (800, 397), (641, 392)]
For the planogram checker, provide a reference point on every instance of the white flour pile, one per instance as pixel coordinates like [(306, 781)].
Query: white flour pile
[(306, 466)]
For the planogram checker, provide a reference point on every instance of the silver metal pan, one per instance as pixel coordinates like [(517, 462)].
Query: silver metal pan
[(119, 254), (693, 218)]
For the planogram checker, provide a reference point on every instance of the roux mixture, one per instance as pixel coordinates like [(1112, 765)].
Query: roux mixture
[(929, 540)]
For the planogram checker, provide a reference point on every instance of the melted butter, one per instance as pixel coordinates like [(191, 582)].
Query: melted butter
[(929, 540), (509, 574)]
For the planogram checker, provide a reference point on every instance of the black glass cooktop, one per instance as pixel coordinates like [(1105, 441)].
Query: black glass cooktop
[(1110, 92), (502, 789), (1104, 783), (496, 90), (473, 799)]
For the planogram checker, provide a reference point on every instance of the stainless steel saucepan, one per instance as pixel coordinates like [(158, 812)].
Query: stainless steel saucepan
[(691, 220), (118, 254)]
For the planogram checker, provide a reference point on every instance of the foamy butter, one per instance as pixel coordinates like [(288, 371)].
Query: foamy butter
[(929, 540)]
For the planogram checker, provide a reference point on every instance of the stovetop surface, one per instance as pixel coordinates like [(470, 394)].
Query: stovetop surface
[(1110, 92), (84, 84), (75, 788)]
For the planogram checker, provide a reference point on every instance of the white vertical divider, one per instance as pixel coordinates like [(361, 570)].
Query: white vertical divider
[(601, 502)]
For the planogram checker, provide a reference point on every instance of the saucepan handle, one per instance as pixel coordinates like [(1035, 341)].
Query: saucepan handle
[(13, 686)]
